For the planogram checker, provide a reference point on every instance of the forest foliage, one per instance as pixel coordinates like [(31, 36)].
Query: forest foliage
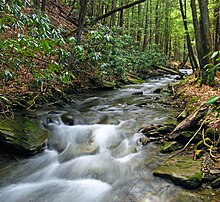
[(114, 38)]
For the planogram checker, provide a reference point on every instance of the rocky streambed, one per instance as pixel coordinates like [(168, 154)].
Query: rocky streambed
[(120, 150)]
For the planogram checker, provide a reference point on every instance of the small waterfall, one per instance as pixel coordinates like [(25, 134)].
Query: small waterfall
[(89, 161)]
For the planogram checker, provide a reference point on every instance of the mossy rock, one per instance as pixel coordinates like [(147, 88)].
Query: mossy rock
[(107, 84), (134, 80), (22, 136), (181, 171), (169, 147), (157, 130)]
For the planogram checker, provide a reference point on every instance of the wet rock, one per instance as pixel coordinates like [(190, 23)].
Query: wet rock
[(157, 130), (143, 141), (22, 136), (107, 84), (184, 137), (68, 119), (158, 90), (138, 93), (181, 171), (168, 147), (134, 80), (216, 183), (207, 177)]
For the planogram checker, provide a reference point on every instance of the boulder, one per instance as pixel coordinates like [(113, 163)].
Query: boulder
[(68, 119), (22, 136), (181, 171)]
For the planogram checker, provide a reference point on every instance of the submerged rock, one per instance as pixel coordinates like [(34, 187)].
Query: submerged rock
[(22, 136), (68, 119), (181, 171)]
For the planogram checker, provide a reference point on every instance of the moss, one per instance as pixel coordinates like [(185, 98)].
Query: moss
[(135, 80), (181, 171), (22, 134), (191, 104), (168, 147)]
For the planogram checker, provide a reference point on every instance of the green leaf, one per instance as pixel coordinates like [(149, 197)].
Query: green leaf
[(214, 54), (212, 100), (46, 46)]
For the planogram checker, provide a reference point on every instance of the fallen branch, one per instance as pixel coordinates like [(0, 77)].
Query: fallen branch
[(187, 144), (169, 70), (189, 121), (116, 10)]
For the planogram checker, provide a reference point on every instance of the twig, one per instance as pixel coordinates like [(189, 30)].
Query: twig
[(187, 144), (33, 101)]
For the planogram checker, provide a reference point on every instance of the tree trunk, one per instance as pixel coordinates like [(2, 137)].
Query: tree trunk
[(217, 26), (166, 30), (43, 7), (189, 45), (113, 15), (139, 25), (146, 28), (157, 23), (197, 33), (82, 14), (205, 39), (121, 15)]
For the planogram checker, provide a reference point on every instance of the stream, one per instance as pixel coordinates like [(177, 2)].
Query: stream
[(97, 155)]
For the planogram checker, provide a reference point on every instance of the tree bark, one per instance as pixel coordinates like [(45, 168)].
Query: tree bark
[(217, 26), (205, 39), (121, 15), (146, 29), (189, 45), (139, 25), (82, 14), (166, 30), (157, 23), (197, 32), (43, 6)]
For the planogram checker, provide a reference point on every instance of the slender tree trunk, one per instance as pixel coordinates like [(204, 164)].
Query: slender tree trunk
[(146, 28), (113, 17), (217, 26), (197, 33), (157, 23), (43, 7), (151, 22), (166, 30), (189, 45), (139, 25), (205, 39), (82, 14), (121, 15)]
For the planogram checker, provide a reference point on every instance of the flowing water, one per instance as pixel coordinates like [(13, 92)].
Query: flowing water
[(97, 156)]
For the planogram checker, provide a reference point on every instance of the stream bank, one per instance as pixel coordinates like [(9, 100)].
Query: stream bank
[(193, 145)]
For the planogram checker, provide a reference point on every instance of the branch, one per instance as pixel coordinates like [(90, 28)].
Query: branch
[(187, 144), (169, 70), (116, 10)]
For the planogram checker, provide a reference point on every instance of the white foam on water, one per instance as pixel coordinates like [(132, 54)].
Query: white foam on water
[(86, 190)]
